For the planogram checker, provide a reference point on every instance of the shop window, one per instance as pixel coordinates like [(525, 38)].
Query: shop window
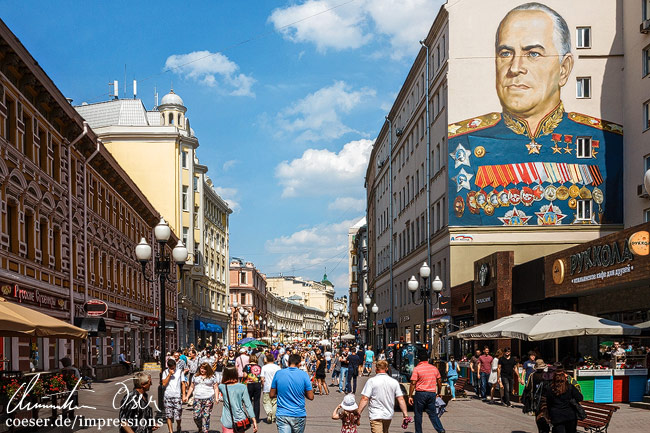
[(584, 210), (583, 87), (583, 37), (583, 149)]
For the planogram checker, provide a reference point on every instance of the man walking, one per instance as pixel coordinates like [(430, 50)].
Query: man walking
[(268, 373), (354, 363), (379, 395), (291, 385), (135, 409), (242, 361), (425, 381), (370, 357), (485, 368), (174, 382), (343, 375), (506, 373)]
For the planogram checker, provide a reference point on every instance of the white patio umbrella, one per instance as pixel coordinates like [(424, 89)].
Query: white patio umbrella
[(562, 323), (348, 337), (490, 330), (325, 342)]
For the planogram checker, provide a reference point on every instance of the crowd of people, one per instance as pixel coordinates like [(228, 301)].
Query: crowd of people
[(282, 377)]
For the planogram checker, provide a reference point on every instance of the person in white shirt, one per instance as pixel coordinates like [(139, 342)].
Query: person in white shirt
[(379, 395), (174, 382), (268, 372), (285, 359), (328, 359)]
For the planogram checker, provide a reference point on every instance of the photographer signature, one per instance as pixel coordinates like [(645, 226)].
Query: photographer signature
[(21, 404)]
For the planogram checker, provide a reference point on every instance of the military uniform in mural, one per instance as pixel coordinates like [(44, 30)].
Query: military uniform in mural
[(502, 173)]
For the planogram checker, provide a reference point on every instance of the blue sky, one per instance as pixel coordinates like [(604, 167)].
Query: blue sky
[(285, 98)]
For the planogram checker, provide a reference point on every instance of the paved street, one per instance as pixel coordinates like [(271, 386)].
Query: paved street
[(463, 416)]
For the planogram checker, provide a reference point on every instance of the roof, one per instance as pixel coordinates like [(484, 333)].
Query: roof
[(118, 112), (360, 223), (326, 282)]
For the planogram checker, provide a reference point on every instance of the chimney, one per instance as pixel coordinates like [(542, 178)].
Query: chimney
[(116, 93), (135, 89)]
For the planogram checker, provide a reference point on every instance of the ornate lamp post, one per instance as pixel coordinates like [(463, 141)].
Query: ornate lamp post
[(425, 293), (162, 270), (233, 330)]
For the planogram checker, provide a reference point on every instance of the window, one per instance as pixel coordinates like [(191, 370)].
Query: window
[(243, 298), (184, 159), (646, 215), (185, 199), (646, 161), (185, 233), (584, 210), (12, 228), (242, 277), (583, 87), (196, 183), (646, 61), (646, 9), (583, 147), (583, 37), (646, 115)]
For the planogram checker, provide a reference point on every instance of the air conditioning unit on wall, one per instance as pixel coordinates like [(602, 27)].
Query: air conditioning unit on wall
[(645, 26), (641, 192)]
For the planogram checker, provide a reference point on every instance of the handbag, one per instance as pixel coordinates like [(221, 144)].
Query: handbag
[(237, 426), (579, 410)]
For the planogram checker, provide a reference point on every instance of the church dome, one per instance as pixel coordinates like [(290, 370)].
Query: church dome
[(172, 99)]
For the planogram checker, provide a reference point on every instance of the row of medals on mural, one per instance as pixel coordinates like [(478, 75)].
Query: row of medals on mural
[(475, 201)]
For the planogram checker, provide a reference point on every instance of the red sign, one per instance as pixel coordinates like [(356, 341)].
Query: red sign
[(153, 321), (120, 315), (95, 307)]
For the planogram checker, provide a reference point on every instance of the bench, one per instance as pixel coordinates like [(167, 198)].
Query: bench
[(459, 386), (598, 416)]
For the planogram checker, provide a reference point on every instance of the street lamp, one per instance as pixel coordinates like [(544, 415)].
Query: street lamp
[(425, 292), (162, 269)]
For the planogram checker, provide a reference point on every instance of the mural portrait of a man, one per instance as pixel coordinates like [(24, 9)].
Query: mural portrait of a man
[(533, 143)]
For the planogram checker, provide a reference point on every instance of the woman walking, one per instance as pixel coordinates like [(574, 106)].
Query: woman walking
[(336, 371), (236, 402), (321, 365), (493, 380), (252, 372), (452, 376), (560, 397), (204, 385)]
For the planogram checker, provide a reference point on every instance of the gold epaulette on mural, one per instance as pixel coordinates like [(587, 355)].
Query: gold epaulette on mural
[(596, 123), (473, 124)]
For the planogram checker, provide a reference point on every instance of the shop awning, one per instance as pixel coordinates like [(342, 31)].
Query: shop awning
[(95, 326), (202, 325), (17, 321)]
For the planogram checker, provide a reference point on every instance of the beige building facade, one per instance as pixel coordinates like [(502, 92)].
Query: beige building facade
[(444, 139), (157, 148), (315, 294)]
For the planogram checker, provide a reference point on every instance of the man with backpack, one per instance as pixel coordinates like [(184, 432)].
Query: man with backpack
[(532, 397)]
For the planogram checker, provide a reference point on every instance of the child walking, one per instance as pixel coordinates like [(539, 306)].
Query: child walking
[(346, 412)]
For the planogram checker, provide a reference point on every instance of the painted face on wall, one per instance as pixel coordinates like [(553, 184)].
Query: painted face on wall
[(529, 73)]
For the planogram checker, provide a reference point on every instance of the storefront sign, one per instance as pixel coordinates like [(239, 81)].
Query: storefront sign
[(436, 312), (33, 296), (134, 318), (604, 274), (151, 321), (639, 243), (95, 307), (120, 315), (481, 301), (599, 256)]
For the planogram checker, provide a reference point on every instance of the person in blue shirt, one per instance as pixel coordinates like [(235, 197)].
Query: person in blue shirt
[(291, 385), (529, 367), (370, 357)]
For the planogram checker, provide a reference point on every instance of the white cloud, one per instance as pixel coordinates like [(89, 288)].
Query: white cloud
[(229, 195), (390, 16), (317, 116), (212, 70), (229, 164), (403, 22), (311, 22), (348, 203), (322, 172), (311, 251)]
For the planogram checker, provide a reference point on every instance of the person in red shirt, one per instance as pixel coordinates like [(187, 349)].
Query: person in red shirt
[(425, 382), (485, 363)]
